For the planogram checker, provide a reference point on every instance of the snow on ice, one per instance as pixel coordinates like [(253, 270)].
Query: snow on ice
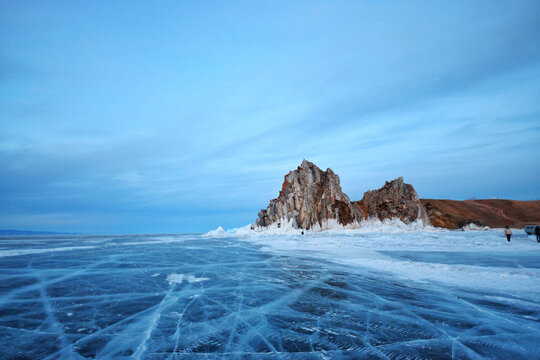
[(179, 278), (383, 291)]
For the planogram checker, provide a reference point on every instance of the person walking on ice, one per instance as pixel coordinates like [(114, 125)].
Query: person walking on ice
[(537, 233), (508, 232)]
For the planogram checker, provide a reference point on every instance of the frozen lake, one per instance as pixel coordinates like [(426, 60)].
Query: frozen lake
[(374, 294)]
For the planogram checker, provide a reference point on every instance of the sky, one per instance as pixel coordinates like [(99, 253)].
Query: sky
[(182, 116)]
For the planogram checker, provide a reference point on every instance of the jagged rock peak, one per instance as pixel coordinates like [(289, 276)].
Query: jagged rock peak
[(310, 198), (395, 199)]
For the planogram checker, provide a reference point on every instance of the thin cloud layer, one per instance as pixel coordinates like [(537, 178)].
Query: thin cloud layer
[(181, 117)]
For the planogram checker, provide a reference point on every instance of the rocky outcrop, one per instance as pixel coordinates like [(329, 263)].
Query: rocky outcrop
[(310, 198), (495, 213), (395, 199)]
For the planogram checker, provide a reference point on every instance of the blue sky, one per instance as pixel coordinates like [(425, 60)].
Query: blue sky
[(127, 117)]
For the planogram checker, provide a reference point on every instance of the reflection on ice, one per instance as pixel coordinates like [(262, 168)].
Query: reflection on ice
[(376, 295)]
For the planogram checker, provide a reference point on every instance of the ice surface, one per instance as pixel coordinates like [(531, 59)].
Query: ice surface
[(386, 291)]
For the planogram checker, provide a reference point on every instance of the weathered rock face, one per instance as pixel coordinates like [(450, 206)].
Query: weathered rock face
[(310, 197), (394, 200)]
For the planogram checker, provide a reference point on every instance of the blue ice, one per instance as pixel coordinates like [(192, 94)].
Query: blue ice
[(370, 295)]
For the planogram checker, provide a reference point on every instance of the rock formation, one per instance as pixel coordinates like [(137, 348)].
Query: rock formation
[(394, 200), (310, 198)]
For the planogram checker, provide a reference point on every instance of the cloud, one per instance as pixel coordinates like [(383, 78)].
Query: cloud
[(191, 123)]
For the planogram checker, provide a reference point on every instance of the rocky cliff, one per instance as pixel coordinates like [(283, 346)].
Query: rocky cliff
[(310, 198), (395, 199)]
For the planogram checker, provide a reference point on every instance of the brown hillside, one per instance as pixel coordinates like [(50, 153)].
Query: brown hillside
[(453, 214)]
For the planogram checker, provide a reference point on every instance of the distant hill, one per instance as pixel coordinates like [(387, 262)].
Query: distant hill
[(495, 213), (26, 232)]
